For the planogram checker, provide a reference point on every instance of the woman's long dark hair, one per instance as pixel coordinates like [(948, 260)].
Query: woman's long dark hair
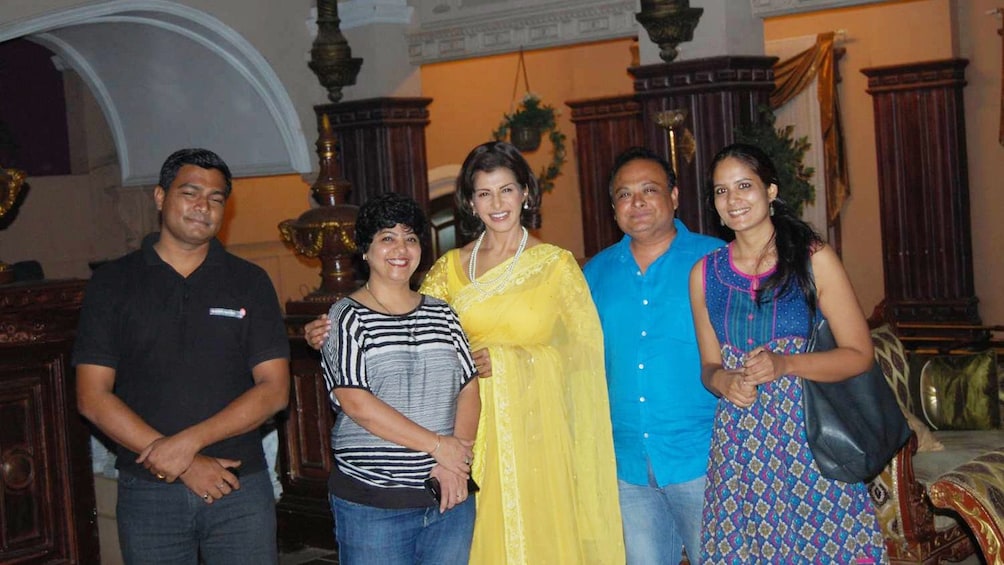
[(794, 239)]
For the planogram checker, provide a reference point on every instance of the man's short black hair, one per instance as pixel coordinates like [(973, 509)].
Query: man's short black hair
[(645, 154), (386, 211), (202, 158)]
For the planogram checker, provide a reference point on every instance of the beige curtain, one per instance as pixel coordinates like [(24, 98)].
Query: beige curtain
[(792, 77)]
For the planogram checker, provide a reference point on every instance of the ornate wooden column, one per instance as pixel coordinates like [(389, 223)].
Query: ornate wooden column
[(719, 94), (604, 127), (382, 143), (920, 139)]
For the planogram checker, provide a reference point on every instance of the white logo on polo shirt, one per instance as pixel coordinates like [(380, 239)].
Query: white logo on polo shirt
[(229, 313)]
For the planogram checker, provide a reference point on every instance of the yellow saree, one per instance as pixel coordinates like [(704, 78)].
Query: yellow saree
[(544, 453)]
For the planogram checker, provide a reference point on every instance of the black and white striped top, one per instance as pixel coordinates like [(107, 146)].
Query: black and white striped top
[(416, 363)]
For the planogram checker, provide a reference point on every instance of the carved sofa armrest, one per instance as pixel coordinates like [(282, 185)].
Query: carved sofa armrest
[(975, 490), (913, 533)]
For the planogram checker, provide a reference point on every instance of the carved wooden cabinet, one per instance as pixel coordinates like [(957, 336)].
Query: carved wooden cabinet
[(47, 510)]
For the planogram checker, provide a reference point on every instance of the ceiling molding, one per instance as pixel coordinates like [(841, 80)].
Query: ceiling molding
[(770, 8), (358, 13), (505, 26)]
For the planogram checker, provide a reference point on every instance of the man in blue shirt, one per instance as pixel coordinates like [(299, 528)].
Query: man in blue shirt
[(662, 414)]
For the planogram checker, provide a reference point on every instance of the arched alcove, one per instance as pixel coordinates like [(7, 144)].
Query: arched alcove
[(147, 62)]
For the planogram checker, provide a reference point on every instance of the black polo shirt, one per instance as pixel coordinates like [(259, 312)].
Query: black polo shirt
[(182, 348)]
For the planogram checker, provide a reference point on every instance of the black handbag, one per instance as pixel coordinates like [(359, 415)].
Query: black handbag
[(854, 427)]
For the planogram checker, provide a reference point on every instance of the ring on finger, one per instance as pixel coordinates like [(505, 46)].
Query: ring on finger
[(220, 486), (205, 496)]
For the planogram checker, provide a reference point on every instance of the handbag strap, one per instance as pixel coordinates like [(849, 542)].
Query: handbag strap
[(816, 312)]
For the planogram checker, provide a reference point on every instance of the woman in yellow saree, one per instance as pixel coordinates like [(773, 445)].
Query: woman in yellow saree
[(544, 451)]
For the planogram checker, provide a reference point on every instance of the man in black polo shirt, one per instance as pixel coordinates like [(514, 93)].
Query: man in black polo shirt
[(181, 355)]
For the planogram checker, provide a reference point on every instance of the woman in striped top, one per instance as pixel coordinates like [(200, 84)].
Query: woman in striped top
[(400, 374)]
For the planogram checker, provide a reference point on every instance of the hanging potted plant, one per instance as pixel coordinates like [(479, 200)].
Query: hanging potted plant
[(525, 128), (528, 123)]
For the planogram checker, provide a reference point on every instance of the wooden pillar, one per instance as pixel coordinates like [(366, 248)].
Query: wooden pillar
[(719, 94), (920, 139), (604, 127), (382, 146)]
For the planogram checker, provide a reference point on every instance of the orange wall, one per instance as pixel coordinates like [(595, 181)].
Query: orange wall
[(254, 210), (470, 96), (979, 42)]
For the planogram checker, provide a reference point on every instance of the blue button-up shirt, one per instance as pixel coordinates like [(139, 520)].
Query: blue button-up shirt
[(662, 414)]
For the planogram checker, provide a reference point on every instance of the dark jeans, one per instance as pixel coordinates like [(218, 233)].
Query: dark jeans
[(167, 524)]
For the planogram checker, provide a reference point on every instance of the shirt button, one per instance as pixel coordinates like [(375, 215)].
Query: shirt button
[(750, 341), (642, 399), (638, 273), (644, 333), (750, 317), (641, 365), (645, 302), (645, 435)]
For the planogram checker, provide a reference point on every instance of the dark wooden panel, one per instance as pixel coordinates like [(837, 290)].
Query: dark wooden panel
[(382, 146), (604, 127), (47, 507), (303, 512), (719, 93), (924, 191)]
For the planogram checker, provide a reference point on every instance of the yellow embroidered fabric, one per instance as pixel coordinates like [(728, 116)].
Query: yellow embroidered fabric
[(544, 453)]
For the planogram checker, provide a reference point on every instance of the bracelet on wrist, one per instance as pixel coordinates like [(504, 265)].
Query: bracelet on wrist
[(439, 440)]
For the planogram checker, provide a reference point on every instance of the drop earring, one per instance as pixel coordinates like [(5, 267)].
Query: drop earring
[(772, 208), (526, 205), (721, 220)]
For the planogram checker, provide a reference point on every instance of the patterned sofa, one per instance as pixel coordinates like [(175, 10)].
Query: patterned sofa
[(915, 530)]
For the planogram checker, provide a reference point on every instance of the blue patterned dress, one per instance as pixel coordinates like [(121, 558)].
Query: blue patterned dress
[(765, 500)]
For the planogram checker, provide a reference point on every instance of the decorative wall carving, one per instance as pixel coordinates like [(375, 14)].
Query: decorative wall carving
[(769, 8), (473, 29)]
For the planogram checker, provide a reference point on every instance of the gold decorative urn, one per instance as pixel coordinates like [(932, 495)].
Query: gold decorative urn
[(328, 231)]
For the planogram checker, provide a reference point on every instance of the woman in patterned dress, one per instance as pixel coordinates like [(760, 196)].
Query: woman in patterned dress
[(753, 304)]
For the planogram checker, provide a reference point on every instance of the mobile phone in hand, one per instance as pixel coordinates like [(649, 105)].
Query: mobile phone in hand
[(434, 490)]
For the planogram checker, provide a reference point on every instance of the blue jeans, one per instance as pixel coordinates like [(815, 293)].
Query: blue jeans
[(402, 536), (162, 523), (659, 522)]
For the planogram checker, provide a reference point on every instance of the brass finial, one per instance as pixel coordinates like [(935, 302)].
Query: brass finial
[(330, 56), (669, 23), (328, 231)]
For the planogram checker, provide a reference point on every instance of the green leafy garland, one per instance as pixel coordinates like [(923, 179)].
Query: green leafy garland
[(531, 113), (787, 153)]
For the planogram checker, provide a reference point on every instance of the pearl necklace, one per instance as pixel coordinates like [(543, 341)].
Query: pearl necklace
[(492, 286)]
